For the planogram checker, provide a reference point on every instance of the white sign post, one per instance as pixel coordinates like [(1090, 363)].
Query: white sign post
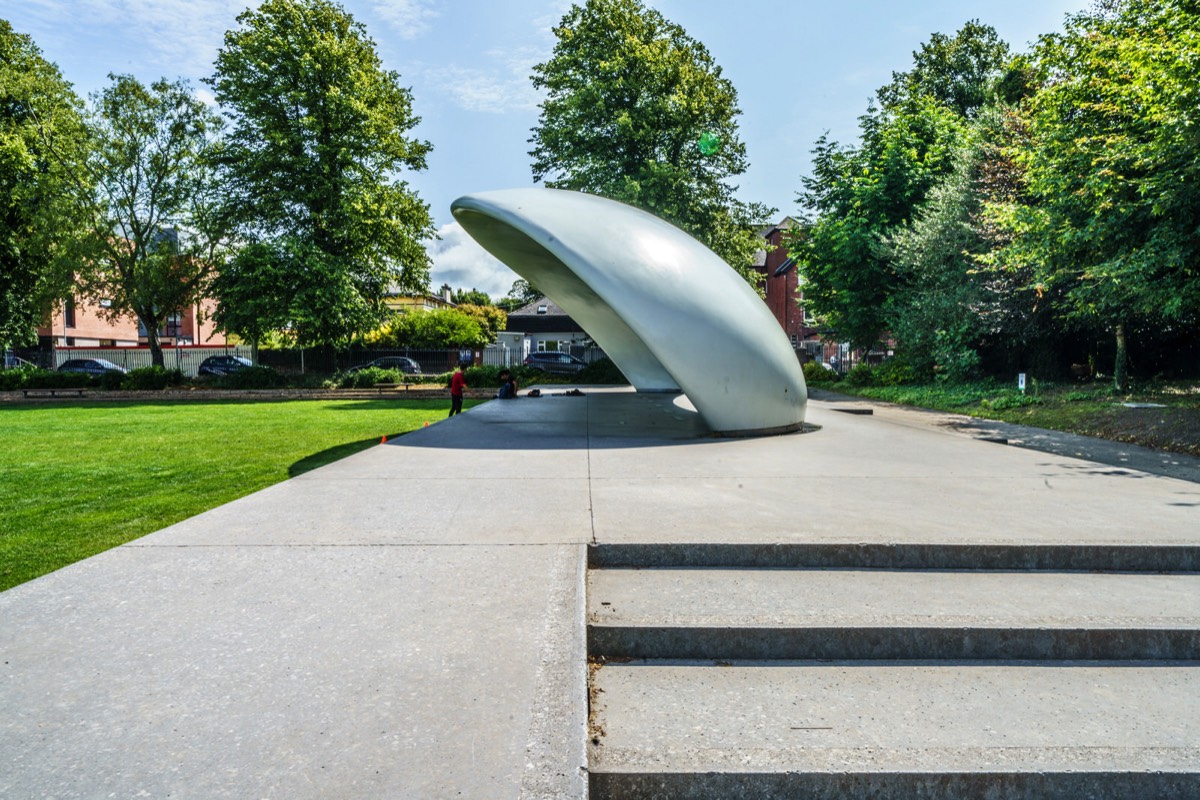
[(1021, 382)]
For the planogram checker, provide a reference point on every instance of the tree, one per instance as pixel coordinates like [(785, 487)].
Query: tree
[(42, 145), (1112, 176), (862, 195), (441, 328), (491, 320), (637, 111), (473, 297), (959, 72), (317, 139), (154, 239)]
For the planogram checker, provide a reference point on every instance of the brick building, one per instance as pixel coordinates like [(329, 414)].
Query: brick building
[(780, 283), (80, 323)]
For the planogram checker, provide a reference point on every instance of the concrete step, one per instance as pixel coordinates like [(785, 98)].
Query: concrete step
[(1132, 557), (883, 730), (859, 614)]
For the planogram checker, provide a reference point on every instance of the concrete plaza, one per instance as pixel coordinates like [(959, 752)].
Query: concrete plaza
[(412, 621)]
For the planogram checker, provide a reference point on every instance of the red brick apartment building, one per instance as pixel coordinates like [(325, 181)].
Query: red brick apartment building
[(780, 282), (81, 324)]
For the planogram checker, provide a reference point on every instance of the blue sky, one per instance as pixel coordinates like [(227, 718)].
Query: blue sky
[(800, 69)]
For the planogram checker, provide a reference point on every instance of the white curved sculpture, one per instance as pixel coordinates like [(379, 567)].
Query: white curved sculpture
[(667, 310)]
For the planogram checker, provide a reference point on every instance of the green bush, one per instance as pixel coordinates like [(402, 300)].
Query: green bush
[(50, 379), (1007, 401), (893, 372), (251, 378), (814, 372), (861, 375), (602, 371), (111, 381), (151, 379), (19, 377), (368, 377)]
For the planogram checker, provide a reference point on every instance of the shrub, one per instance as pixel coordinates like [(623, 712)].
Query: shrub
[(893, 372), (861, 375), (814, 372), (19, 377), (110, 381), (251, 378), (602, 371), (1007, 401), (151, 379), (368, 377)]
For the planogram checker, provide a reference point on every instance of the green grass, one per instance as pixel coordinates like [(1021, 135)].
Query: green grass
[(1093, 409), (79, 478)]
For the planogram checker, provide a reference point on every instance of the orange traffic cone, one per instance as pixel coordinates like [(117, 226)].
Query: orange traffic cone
[(384, 439), (426, 424)]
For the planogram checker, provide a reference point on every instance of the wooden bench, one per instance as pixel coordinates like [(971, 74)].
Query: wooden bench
[(52, 392), (387, 387)]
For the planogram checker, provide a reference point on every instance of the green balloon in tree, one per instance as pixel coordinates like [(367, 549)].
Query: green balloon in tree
[(709, 143)]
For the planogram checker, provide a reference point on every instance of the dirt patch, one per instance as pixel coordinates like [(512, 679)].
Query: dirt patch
[(1176, 429)]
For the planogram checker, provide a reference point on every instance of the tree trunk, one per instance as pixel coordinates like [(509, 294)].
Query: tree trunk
[(1120, 369), (156, 353)]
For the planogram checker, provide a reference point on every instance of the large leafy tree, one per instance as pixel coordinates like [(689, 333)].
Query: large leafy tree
[(636, 110), (316, 143), (42, 145), (154, 238), (1112, 219), (859, 196)]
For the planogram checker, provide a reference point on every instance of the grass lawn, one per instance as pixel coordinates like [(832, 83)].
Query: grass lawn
[(79, 478), (1092, 409)]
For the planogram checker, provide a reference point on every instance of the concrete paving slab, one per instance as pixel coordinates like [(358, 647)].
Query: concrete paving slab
[(859, 598), (787, 719), (400, 510), (819, 508), (280, 672), (852, 614)]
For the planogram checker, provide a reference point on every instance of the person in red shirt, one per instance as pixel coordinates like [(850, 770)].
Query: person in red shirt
[(458, 382)]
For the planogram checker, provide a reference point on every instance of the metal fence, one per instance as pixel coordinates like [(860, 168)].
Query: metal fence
[(318, 360), (328, 360), (185, 359)]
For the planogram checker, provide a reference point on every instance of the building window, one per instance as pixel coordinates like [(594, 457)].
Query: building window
[(173, 327), (69, 312), (552, 346)]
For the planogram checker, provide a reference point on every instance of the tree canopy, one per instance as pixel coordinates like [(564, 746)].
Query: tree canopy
[(42, 146), (637, 111), (860, 195), (316, 142), (154, 238), (1110, 219), (444, 327)]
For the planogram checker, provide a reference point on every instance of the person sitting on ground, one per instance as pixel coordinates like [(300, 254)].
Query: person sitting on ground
[(508, 385)]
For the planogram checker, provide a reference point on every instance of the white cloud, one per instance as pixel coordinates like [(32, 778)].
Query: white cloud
[(498, 89), (408, 18), (460, 262), (206, 97)]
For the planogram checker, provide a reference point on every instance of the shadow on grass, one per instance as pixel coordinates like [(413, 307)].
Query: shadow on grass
[(331, 454)]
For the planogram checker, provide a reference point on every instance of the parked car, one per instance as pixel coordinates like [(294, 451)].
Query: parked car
[(222, 365), (402, 363), (90, 366), (555, 363)]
